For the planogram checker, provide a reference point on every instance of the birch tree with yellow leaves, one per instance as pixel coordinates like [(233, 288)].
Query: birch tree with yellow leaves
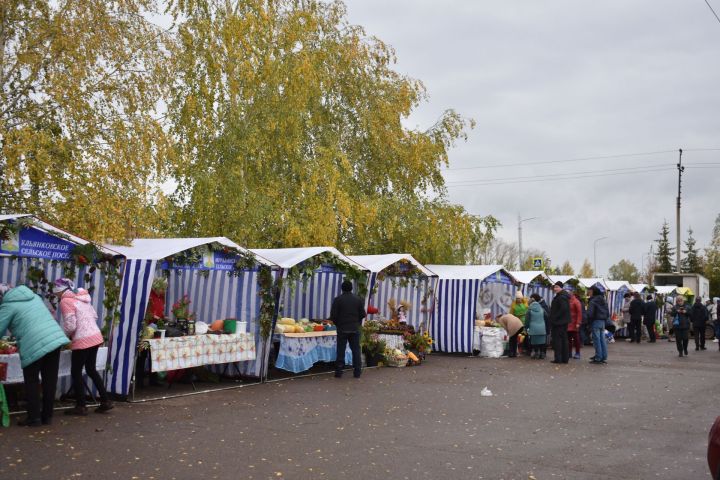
[(289, 131), (82, 143)]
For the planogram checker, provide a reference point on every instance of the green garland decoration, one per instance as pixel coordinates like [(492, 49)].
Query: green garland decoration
[(305, 270), (13, 227), (402, 273), (267, 291)]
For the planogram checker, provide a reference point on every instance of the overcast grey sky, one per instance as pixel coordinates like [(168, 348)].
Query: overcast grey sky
[(567, 79)]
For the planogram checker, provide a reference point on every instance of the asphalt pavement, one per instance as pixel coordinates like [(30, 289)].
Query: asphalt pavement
[(645, 415)]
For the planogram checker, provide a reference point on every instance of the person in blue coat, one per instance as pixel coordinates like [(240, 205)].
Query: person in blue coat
[(535, 327), (598, 314), (39, 340)]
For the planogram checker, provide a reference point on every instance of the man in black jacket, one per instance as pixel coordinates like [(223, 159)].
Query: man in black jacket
[(559, 320), (699, 318), (347, 313), (637, 308), (649, 317)]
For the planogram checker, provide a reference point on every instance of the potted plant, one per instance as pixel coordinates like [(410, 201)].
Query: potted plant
[(181, 312), (371, 345), (418, 343)]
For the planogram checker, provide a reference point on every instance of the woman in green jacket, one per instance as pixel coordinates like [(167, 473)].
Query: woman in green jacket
[(39, 339)]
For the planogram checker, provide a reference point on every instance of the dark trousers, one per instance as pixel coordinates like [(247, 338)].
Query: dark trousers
[(46, 366), (635, 329), (561, 349), (651, 331), (343, 339), (86, 358), (700, 337), (574, 339), (681, 339), (513, 344)]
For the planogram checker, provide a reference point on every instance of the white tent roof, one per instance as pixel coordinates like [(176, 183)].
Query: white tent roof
[(615, 285), (560, 278), (289, 257), (377, 263), (665, 289), (51, 229), (466, 272), (527, 276), (638, 287), (159, 248), (589, 282)]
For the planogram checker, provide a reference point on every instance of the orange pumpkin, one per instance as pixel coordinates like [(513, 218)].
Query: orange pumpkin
[(217, 325)]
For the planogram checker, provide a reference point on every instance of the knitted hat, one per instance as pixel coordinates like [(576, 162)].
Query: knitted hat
[(558, 284), (519, 295), (62, 284)]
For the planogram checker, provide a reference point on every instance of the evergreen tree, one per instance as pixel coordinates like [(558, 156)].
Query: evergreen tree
[(712, 260), (663, 257), (693, 261)]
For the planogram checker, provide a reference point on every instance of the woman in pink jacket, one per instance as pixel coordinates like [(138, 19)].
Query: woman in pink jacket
[(80, 324)]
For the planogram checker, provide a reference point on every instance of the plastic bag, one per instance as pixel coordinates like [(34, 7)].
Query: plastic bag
[(492, 344)]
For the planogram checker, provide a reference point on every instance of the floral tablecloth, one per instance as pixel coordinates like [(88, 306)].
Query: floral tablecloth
[(298, 354), (15, 374), (198, 350), (393, 341)]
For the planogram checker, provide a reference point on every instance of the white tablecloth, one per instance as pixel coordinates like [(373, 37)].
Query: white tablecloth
[(15, 375), (393, 341), (198, 350)]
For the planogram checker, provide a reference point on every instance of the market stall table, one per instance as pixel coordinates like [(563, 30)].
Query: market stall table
[(197, 350), (15, 373), (300, 351)]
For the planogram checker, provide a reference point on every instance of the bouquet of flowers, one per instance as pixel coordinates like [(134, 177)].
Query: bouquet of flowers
[(421, 342), (181, 309)]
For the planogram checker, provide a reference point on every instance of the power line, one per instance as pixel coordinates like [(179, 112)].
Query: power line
[(580, 159), (560, 175), (712, 10), (663, 169)]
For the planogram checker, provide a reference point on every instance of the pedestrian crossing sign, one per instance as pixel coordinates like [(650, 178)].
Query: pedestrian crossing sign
[(537, 263)]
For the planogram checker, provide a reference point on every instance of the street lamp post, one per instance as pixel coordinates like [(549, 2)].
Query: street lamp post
[(520, 222), (595, 254)]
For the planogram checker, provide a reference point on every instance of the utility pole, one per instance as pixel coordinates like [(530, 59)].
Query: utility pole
[(681, 169), (595, 255)]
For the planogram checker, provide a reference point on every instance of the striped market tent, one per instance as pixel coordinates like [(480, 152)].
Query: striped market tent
[(594, 282), (418, 291), (463, 292), (311, 299), (213, 291), (616, 291), (534, 281), (568, 281), (39, 245)]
